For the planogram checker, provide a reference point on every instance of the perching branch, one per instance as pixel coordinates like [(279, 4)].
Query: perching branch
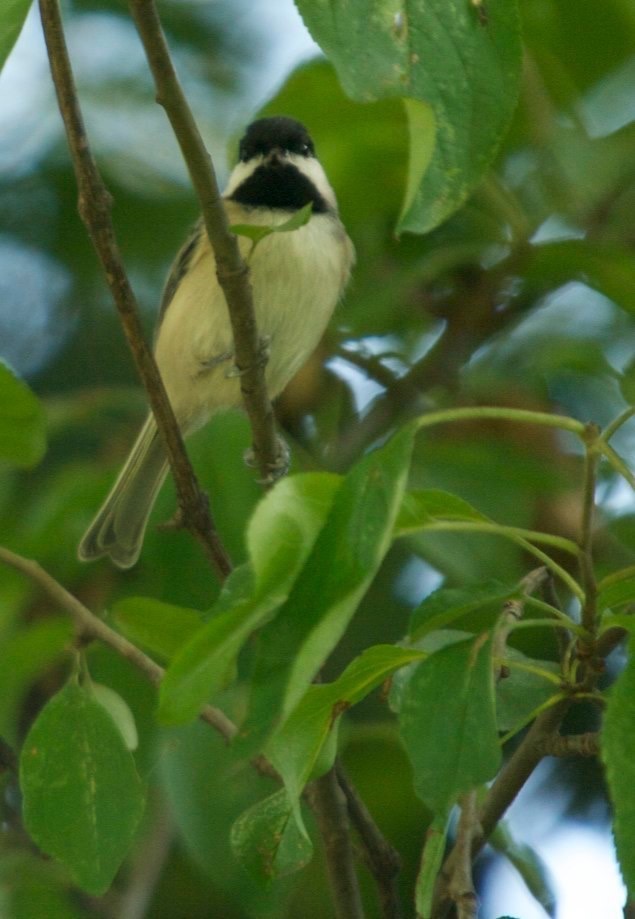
[(94, 208), (231, 270)]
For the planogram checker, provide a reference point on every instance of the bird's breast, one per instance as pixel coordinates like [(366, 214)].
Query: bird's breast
[(297, 278)]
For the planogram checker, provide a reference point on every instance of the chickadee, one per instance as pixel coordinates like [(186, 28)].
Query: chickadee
[(297, 278)]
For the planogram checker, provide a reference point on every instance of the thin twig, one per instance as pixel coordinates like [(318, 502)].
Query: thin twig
[(502, 793), (461, 885), (231, 269), (95, 211), (512, 612), (328, 803), (381, 857), (91, 627)]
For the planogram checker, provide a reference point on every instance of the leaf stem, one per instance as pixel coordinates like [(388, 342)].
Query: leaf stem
[(589, 583), (617, 423), (480, 413)]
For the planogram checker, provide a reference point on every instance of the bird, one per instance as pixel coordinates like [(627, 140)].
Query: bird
[(297, 279)]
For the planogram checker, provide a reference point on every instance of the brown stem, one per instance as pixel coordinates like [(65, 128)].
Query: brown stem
[(95, 211), (461, 885), (509, 782), (90, 627), (511, 613), (382, 859), (232, 272), (571, 745), (328, 803)]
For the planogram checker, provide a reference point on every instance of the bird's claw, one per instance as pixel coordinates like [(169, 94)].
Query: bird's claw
[(275, 470), (262, 359)]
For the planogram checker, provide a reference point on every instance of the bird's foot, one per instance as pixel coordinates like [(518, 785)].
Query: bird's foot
[(275, 470), (262, 359), (210, 363)]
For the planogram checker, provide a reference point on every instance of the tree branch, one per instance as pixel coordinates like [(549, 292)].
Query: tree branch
[(507, 785), (91, 627), (232, 272), (329, 806), (382, 859), (571, 745), (461, 885), (94, 208)]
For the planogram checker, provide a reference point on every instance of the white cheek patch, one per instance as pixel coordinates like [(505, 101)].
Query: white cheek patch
[(240, 173)]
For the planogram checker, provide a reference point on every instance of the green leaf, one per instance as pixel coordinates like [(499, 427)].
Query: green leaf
[(431, 859), (448, 724), (257, 233), (447, 604), (296, 748), (83, 799), (22, 431), (434, 510), (324, 597), (617, 590), (280, 536), (13, 14), (424, 506), (522, 692), (284, 527), (266, 840), (119, 711), (161, 627), (436, 52), (618, 754)]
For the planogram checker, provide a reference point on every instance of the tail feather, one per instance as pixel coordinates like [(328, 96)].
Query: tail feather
[(120, 523)]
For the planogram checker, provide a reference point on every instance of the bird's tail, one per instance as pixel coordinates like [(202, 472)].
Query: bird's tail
[(120, 523)]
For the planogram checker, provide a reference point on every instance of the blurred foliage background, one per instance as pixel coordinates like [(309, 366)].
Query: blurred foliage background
[(524, 298)]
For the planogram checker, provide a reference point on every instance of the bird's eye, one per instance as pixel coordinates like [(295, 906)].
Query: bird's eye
[(305, 149)]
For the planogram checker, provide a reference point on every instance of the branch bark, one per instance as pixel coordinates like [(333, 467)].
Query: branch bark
[(503, 792), (232, 272), (95, 210), (382, 859), (329, 806), (91, 627)]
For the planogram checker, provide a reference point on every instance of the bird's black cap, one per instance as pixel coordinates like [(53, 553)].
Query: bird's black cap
[(263, 135)]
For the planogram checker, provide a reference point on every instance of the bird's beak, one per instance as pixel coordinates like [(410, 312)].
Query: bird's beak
[(276, 155)]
